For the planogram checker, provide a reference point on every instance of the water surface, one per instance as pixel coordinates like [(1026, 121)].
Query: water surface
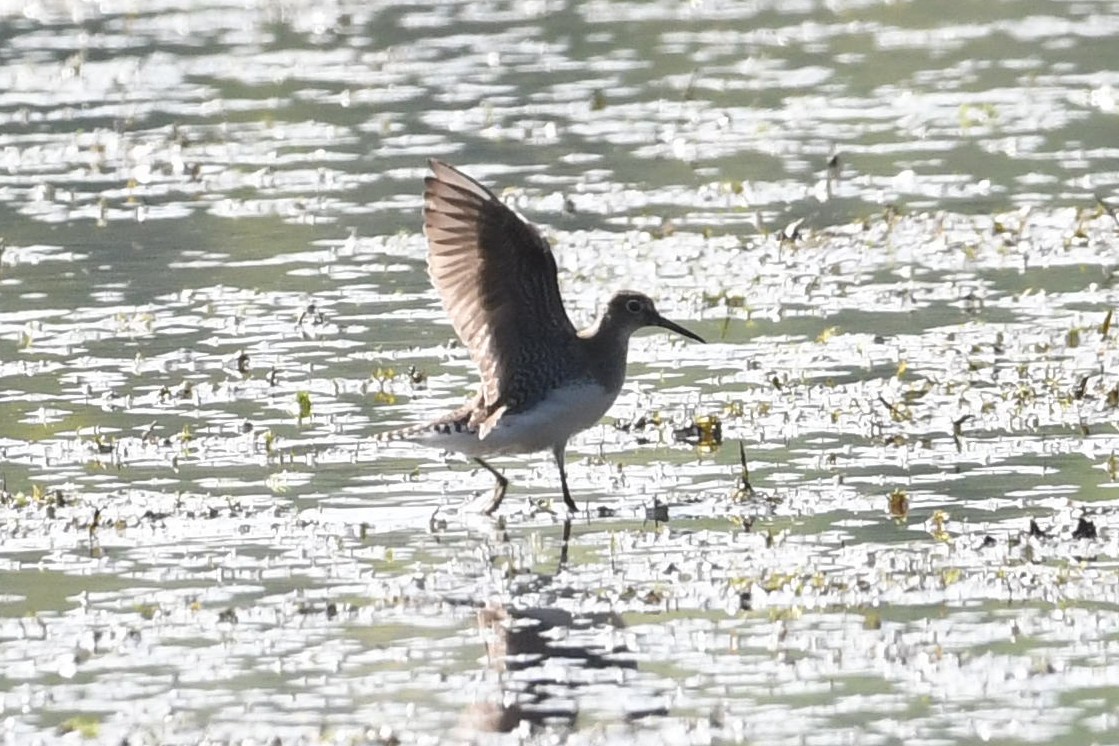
[(894, 221)]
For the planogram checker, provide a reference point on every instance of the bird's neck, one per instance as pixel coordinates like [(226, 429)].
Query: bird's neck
[(605, 346)]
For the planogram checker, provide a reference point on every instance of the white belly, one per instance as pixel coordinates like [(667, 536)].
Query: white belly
[(551, 422)]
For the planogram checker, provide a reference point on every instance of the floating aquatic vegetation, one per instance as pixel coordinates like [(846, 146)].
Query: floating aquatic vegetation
[(909, 278), (705, 431)]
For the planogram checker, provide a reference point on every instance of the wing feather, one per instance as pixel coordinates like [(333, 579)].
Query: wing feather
[(497, 278)]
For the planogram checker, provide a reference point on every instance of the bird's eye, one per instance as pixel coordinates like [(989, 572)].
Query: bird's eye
[(633, 306)]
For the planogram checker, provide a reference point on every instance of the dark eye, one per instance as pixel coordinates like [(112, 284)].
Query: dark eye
[(634, 306)]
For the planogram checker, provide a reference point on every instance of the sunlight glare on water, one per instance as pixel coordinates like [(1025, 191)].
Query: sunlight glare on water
[(895, 224)]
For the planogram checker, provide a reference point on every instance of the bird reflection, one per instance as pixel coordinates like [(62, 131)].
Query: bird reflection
[(539, 670)]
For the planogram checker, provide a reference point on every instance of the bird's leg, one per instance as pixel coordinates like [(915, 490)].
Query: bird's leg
[(558, 452), (566, 543), (498, 489)]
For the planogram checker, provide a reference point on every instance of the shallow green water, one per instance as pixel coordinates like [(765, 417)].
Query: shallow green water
[(210, 209)]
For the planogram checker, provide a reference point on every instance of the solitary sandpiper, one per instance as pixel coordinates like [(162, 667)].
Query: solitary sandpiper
[(542, 381)]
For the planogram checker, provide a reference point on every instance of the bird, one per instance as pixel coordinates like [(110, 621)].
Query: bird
[(542, 380)]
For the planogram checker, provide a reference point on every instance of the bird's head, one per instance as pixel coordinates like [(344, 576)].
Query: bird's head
[(630, 311)]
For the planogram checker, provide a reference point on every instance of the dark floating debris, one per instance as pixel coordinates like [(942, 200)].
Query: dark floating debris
[(958, 430), (658, 513), (791, 232), (417, 377), (1036, 531), (705, 431), (744, 490), (635, 715), (1107, 207), (640, 424), (1085, 529), (312, 314), (898, 504)]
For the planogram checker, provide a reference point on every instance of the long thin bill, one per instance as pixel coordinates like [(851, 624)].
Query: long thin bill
[(673, 327)]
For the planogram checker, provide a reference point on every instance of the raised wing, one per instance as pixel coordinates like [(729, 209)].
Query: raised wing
[(497, 278)]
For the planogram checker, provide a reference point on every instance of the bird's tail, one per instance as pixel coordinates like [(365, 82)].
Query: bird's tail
[(452, 423)]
